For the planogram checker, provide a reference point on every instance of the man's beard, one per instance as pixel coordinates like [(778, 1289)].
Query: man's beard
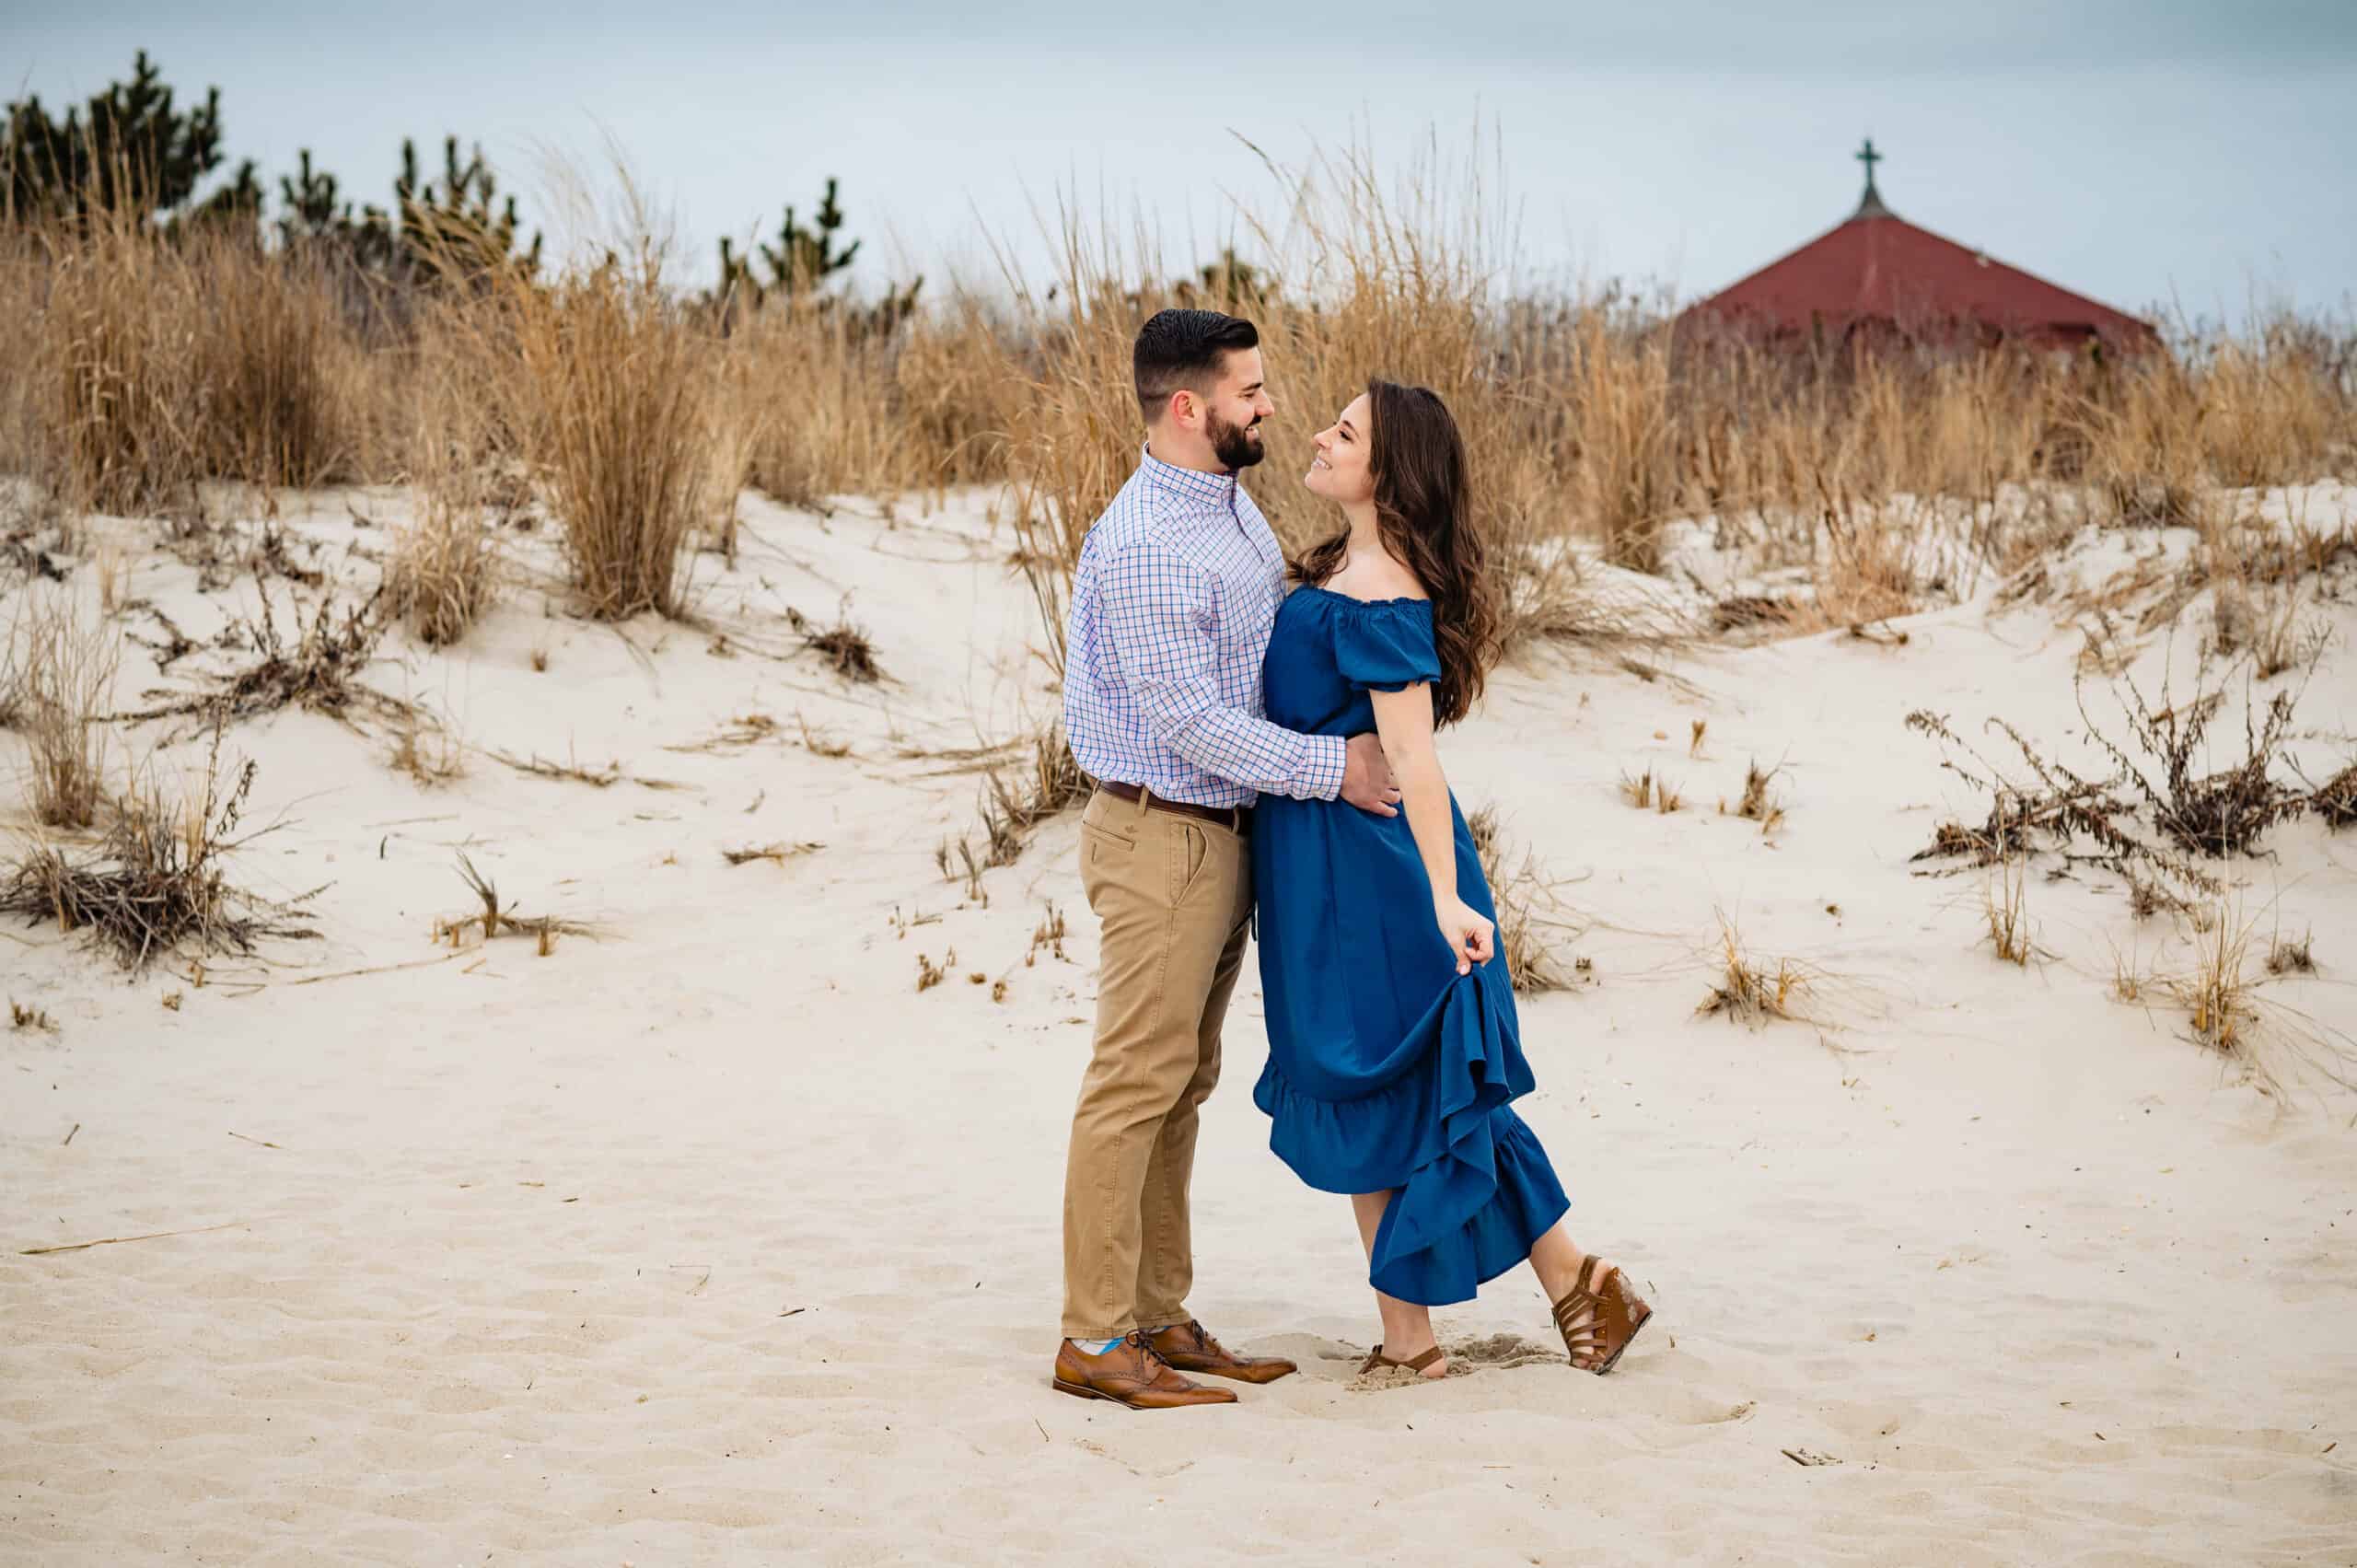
[(1232, 444)]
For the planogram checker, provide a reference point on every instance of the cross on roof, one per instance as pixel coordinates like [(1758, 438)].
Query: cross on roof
[(1870, 204)]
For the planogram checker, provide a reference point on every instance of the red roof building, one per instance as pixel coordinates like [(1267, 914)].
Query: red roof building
[(1877, 275)]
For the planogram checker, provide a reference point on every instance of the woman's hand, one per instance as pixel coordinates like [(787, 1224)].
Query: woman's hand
[(1469, 936)]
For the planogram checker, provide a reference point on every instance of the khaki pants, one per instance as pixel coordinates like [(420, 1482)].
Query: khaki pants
[(1174, 896)]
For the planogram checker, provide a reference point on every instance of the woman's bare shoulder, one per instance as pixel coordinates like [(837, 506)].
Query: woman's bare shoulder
[(1375, 582)]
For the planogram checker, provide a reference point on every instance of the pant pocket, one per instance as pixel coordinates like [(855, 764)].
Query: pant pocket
[(1189, 847)]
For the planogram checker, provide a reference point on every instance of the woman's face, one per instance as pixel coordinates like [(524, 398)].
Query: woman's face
[(1340, 471)]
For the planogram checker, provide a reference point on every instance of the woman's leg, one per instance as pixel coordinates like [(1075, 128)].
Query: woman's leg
[(1599, 1329), (1407, 1327), (1557, 1262)]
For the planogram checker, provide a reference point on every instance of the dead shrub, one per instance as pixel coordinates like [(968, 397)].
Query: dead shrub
[(2214, 813), (844, 645), (2056, 812), (2335, 800), (156, 884), (320, 672)]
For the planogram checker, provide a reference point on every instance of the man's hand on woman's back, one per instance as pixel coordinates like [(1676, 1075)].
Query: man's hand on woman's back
[(1366, 776)]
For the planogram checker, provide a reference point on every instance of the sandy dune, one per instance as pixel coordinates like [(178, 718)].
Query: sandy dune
[(712, 1238)]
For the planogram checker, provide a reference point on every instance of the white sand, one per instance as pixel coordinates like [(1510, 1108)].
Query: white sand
[(714, 1240)]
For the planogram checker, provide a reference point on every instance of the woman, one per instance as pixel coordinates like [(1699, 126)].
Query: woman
[(1393, 1045)]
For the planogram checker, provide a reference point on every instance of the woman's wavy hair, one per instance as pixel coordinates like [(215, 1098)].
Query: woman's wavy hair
[(1422, 511)]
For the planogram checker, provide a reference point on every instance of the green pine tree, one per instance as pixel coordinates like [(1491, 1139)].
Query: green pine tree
[(127, 148)]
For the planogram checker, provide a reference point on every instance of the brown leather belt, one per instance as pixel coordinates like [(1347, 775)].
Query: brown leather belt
[(1235, 819)]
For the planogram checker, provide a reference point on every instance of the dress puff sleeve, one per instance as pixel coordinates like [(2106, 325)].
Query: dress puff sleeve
[(1385, 646)]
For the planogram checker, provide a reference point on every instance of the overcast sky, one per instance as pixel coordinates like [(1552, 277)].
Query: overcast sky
[(2147, 152)]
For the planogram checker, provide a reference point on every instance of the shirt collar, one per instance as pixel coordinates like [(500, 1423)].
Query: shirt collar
[(1217, 489)]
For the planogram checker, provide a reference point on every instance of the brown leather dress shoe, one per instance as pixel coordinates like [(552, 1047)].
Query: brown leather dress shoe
[(1131, 1374), (1190, 1347)]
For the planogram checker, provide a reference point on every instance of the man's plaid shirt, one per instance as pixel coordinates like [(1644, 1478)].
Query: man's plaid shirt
[(1172, 603)]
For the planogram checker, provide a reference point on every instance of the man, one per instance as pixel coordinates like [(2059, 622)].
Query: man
[(1173, 600)]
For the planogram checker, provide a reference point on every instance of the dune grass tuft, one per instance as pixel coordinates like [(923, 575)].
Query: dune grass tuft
[(1533, 919), (1746, 991), (156, 883), (56, 686)]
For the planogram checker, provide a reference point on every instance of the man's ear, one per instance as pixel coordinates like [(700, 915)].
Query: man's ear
[(1184, 407)]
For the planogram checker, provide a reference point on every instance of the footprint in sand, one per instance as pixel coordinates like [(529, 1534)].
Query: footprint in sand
[(1491, 1353)]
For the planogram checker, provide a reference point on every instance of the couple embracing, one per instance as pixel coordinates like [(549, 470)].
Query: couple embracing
[(1257, 747)]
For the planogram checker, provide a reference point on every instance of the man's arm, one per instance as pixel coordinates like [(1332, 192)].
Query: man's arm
[(1154, 605)]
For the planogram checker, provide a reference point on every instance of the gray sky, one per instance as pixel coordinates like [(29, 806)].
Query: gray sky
[(2143, 151)]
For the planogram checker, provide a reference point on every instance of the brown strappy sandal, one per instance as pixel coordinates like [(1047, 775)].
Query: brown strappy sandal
[(1599, 1316), (1376, 1361)]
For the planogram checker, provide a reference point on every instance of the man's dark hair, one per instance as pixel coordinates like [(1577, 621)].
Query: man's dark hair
[(1184, 348)]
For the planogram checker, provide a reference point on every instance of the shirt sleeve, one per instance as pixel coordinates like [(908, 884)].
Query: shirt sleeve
[(1156, 610), (1386, 646)]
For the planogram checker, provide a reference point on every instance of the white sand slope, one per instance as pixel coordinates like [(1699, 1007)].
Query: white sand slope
[(712, 1239)]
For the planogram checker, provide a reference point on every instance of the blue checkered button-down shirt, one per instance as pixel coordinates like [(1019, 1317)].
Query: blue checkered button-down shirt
[(1172, 602)]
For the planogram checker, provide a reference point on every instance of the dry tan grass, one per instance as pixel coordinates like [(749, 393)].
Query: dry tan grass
[(64, 667), (2287, 956), (613, 391), (2216, 995), (145, 365), (496, 920), (1749, 992), (113, 380), (2269, 623), (150, 365), (1014, 804), (444, 569), (426, 751), (275, 364), (1534, 923), (1759, 802), (2004, 903), (834, 404)]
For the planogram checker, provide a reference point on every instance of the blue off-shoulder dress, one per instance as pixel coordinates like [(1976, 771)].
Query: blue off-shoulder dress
[(1386, 1068)]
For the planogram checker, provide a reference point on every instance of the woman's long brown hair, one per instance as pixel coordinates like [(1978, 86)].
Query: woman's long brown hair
[(1418, 461)]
